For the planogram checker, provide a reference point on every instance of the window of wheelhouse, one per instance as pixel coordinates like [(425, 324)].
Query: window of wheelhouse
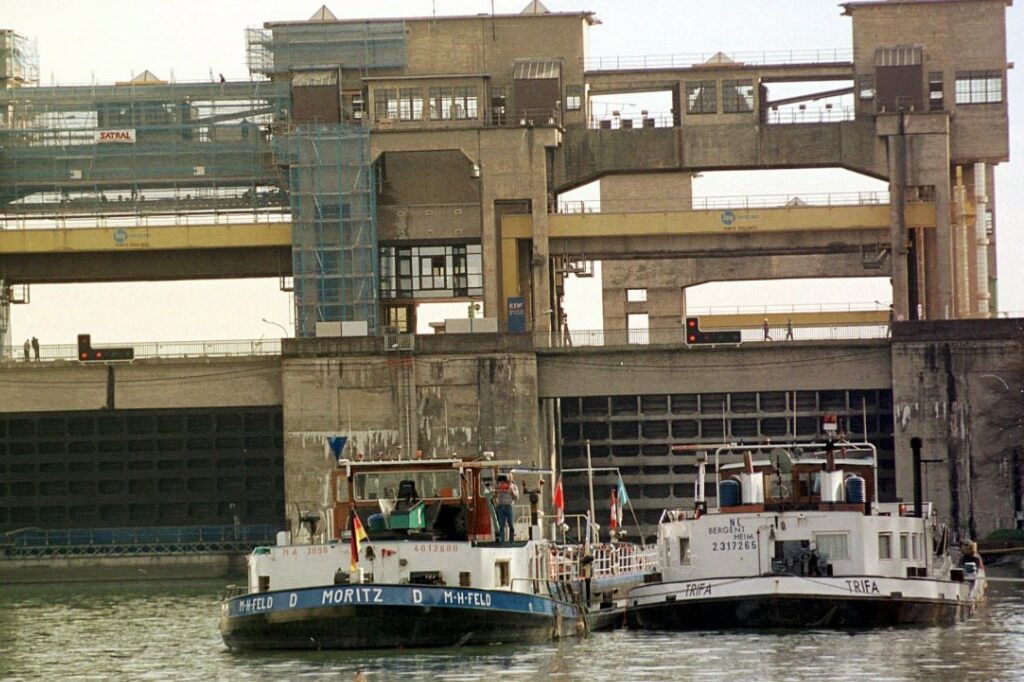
[(502, 574), (885, 545), (833, 545), (385, 485), (341, 489)]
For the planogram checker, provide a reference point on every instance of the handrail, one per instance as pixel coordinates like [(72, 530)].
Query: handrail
[(154, 349), (835, 55), (794, 201)]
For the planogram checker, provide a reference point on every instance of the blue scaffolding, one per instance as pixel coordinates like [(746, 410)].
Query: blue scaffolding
[(335, 265)]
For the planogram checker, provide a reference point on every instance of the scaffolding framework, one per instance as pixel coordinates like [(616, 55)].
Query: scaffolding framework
[(140, 149), (335, 265), (19, 60), (281, 48)]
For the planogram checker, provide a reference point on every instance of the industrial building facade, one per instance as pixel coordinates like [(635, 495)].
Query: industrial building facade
[(421, 160)]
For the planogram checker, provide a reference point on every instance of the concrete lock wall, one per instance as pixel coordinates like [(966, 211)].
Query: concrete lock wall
[(957, 386), (142, 384), (433, 402)]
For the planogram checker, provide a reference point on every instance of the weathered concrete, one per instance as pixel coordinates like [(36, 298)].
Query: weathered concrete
[(142, 384), (957, 386), (457, 401), (680, 369), (125, 568)]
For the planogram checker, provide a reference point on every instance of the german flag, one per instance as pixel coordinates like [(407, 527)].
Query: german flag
[(358, 535)]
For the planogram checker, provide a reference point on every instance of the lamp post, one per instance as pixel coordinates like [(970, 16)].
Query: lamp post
[(278, 324)]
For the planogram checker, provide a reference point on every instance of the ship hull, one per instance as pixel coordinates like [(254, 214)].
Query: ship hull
[(396, 616), (797, 603)]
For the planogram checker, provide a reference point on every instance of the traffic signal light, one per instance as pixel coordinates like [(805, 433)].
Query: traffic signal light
[(694, 336), (86, 353)]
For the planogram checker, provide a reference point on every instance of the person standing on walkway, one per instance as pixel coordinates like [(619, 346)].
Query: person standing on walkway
[(789, 329), (508, 493), (35, 347), (27, 347), (767, 336)]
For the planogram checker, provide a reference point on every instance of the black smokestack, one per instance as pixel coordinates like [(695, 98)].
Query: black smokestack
[(915, 448)]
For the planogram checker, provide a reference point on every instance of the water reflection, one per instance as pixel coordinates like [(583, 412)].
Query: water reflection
[(169, 630)]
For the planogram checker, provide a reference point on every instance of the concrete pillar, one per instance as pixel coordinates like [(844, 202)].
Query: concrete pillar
[(983, 298), (540, 262), (490, 242), (897, 224), (941, 303), (5, 319)]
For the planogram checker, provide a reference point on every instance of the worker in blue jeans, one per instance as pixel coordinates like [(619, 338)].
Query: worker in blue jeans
[(506, 496)]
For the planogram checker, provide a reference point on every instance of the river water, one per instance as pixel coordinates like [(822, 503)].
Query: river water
[(169, 630)]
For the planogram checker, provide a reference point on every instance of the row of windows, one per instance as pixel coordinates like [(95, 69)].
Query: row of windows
[(971, 87), (431, 271), (449, 103), (716, 403), (691, 428), (911, 546), (138, 424), (979, 87), (120, 487), (737, 96)]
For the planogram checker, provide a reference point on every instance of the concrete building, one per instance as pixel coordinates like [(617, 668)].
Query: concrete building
[(421, 160)]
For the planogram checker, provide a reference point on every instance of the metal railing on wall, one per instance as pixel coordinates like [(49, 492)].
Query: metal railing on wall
[(809, 200), (155, 349), (675, 335), (581, 338), (829, 55), (42, 544)]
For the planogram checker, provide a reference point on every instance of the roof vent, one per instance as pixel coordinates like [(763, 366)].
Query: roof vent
[(146, 78), (323, 14), (720, 58), (535, 7)]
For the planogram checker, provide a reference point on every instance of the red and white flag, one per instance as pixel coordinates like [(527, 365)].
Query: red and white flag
[(559, 503)]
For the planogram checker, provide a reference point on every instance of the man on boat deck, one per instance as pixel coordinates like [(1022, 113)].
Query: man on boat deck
[(507, 495)]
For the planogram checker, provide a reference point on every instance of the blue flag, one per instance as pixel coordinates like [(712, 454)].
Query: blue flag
[(623, 497), (335, 445)]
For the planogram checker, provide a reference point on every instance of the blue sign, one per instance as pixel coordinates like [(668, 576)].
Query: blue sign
[(395, 595), (728, 218), (334, 445), (516, 314), (120, 236)]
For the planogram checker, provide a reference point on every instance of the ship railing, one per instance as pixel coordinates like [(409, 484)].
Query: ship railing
[(566, 562), (234, 591)]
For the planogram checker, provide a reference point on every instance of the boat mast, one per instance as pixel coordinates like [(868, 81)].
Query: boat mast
[(590, 483)]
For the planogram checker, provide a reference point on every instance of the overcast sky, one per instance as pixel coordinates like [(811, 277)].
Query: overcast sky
[(106, 40)]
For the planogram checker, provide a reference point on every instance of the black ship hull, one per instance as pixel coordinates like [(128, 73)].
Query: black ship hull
[(777, 611), (395, 617)]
